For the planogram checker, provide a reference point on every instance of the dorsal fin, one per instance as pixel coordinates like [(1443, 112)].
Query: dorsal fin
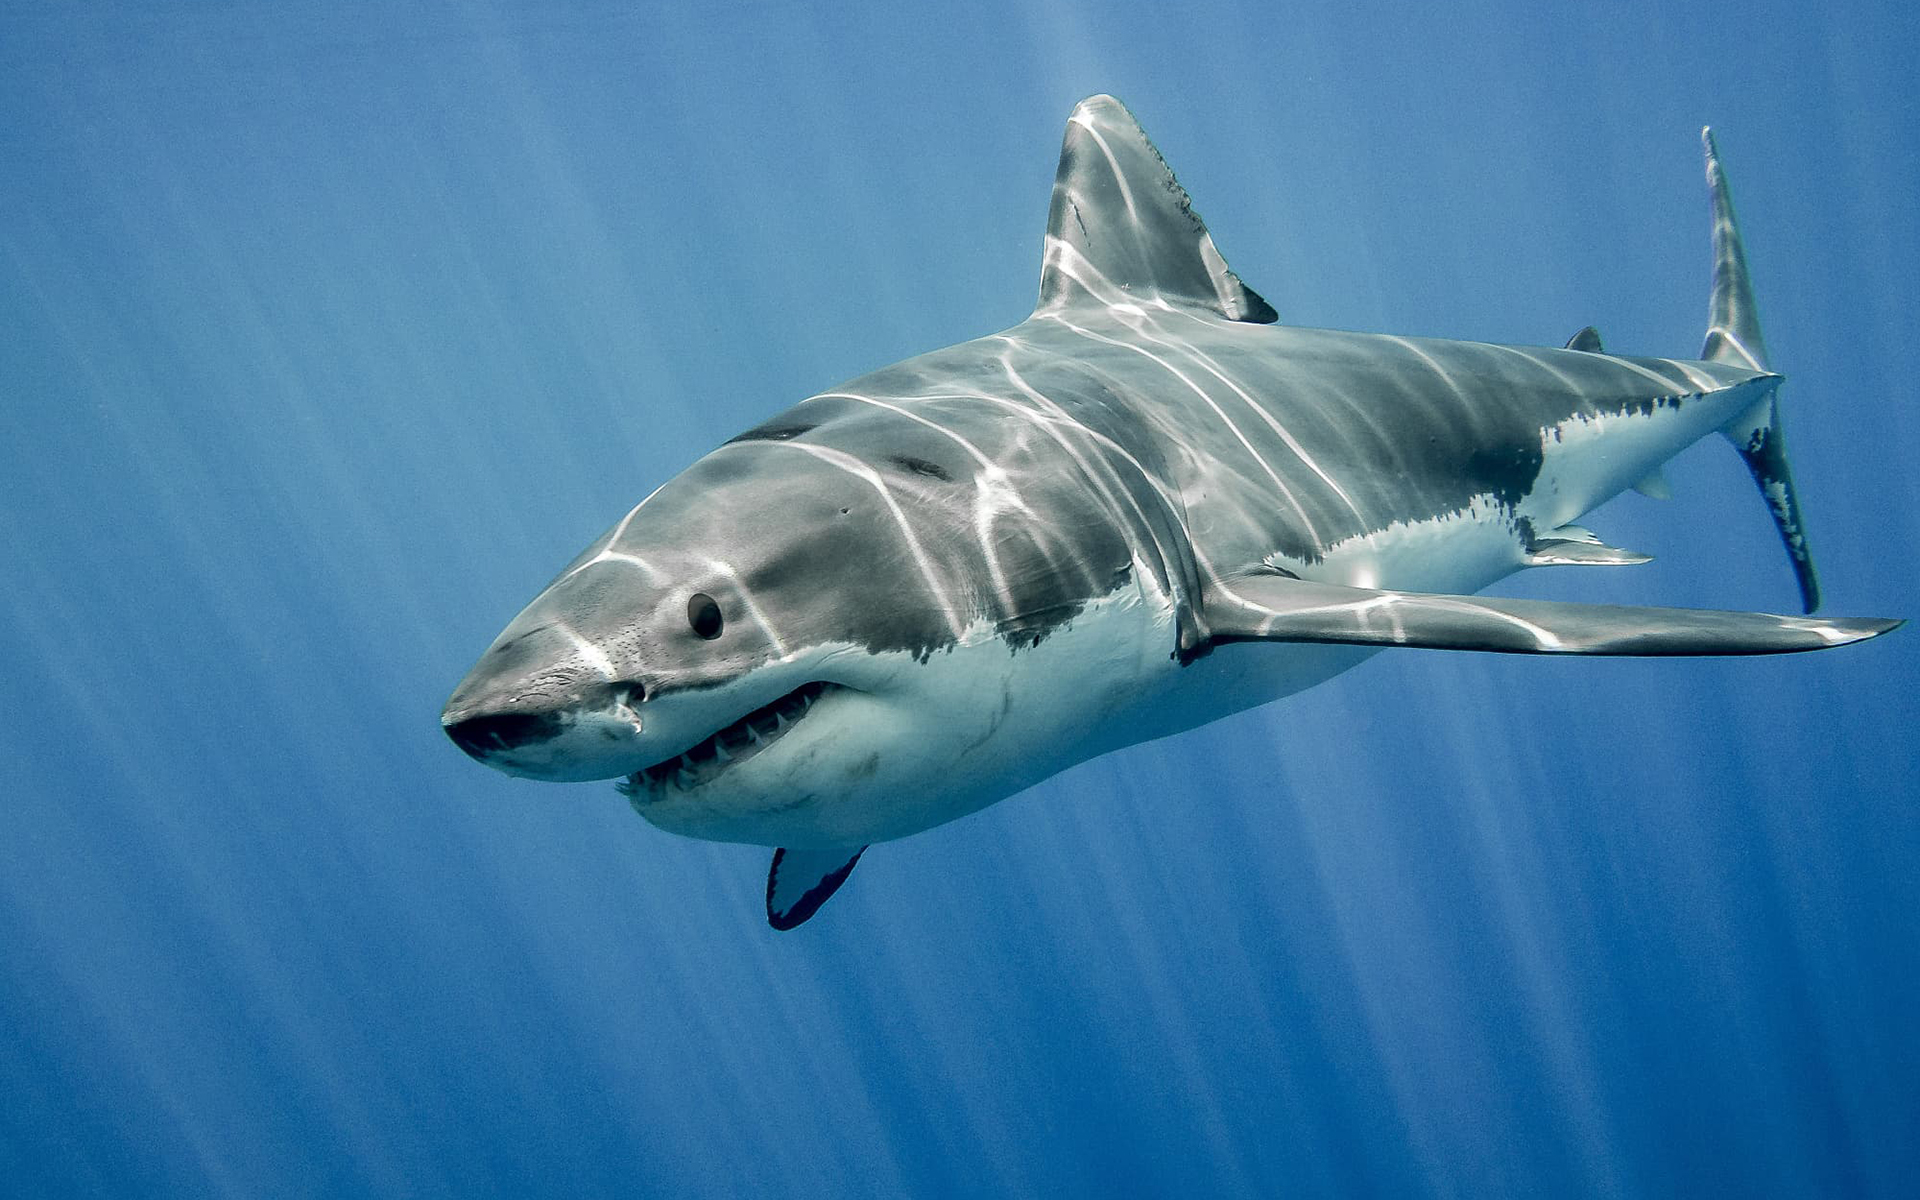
[(1121, 229), (1587, 339)]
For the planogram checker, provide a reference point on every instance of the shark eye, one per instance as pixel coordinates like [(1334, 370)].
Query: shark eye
[(703, 613)]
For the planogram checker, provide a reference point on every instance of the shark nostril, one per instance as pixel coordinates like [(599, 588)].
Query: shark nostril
[(482, 736)]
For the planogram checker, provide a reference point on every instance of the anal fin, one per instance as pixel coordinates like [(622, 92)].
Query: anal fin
[(800, 881), (1654, 485), (1575, 546)]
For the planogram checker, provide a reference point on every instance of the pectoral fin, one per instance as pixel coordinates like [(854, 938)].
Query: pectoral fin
[(1278, 608), (800, 881)]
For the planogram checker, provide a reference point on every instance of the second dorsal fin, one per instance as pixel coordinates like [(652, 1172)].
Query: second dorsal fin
[(1588, 340), (1121, 229)]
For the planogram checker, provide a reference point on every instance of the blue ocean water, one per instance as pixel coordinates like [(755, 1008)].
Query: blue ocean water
[(331, 331)]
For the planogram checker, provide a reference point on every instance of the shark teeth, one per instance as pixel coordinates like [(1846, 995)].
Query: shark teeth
[(736, 743)]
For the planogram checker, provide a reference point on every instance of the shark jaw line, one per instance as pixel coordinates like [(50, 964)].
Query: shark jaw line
[(707, 759)]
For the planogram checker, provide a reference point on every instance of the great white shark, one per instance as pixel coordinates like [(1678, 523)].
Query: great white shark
[(1147, 506)]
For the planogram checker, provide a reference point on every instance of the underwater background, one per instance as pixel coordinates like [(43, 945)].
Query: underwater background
[(328, 333)]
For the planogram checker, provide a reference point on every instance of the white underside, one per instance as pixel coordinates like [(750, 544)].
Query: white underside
[(1584, 462), (905, 744)]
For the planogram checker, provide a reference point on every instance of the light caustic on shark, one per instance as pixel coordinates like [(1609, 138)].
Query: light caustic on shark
[(909, 597)]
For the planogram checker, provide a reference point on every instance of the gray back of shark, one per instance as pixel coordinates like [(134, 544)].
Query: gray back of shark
[(922, 591)]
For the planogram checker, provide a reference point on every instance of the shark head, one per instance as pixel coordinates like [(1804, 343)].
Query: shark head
[(819, 634)]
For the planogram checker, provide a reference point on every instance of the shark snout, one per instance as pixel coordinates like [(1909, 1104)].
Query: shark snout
[(569, 745), (541, 719), (492, 733)]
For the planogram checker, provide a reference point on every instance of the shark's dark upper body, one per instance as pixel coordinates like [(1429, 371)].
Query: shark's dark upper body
[(1217, 446)]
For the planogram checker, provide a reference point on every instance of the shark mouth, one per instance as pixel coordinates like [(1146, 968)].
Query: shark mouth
[(736, 743)]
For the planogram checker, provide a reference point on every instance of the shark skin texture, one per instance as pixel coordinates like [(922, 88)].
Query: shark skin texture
[(1146, 507)]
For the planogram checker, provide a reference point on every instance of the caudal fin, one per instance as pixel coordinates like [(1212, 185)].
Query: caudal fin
[(1733, 337)]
